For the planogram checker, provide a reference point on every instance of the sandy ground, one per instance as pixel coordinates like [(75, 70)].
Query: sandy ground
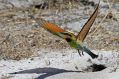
[(61, 65), (21, 49)]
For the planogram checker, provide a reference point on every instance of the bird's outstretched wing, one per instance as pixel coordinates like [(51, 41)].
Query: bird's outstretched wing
[(52, 28), (84, 31), (48, 26)]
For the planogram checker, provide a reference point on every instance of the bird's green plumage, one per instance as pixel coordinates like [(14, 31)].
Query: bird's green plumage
[(77, 44), (73, 42)]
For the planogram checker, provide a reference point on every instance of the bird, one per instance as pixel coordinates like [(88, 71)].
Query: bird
[(75, 41)]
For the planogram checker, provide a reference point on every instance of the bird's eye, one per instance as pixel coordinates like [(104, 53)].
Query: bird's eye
[(68, 39)]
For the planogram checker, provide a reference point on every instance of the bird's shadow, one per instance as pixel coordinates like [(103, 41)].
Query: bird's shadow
[(46, 72)]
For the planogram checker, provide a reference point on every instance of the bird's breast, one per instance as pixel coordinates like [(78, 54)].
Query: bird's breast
[(75, 44)]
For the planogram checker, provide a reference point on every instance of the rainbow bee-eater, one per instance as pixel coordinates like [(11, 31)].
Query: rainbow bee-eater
[(73, 40)]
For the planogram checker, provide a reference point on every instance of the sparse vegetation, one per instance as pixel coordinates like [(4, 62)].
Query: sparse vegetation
[(20, 37)]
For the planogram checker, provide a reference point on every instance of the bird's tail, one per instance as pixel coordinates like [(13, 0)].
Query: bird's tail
[(90, 53)]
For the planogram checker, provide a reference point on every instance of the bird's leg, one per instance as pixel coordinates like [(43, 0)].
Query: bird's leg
[(82, 53), (79, 52)]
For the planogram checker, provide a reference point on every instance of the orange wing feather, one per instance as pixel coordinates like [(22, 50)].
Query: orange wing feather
[(48, 26), (84, 31), (52, 27)]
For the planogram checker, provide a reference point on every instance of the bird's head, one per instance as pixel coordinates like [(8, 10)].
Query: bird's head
[(67, 36)]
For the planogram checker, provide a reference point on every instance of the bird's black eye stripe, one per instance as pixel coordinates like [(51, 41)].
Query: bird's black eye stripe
[(68, 39), (68, 36)]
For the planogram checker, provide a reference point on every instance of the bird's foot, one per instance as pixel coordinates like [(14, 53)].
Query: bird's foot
[(80, 53)]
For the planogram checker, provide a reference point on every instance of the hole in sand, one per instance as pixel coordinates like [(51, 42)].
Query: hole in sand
[(96, 67)]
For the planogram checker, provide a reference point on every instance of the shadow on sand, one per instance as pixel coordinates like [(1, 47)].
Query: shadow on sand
[(46, 72)]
